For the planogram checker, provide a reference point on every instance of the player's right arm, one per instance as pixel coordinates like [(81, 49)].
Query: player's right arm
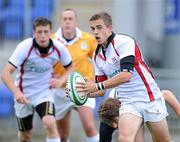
[(8, 80), (14, 62)]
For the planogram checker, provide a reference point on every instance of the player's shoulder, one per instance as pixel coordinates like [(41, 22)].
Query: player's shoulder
[(57, 43), (26, 43), (121, 39), (124, 37)]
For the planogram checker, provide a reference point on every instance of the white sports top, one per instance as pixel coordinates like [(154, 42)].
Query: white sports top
[(142, 86), (34, 71)]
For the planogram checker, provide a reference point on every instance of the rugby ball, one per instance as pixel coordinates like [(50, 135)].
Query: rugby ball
[(76, 97)]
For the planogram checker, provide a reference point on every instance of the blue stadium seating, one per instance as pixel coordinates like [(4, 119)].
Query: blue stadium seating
[(1, 4), (12, 16), (46, 4), (13, 23), (17, 4), (6, 105), (13, 29)]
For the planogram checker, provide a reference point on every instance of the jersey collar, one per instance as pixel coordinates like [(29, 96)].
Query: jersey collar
[(61, 38), (109, 40)]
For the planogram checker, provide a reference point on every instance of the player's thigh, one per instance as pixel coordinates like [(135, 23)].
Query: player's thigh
[(129, 124), (86, 115), (140, 135), (46, 111), (87, 120), (25, 124), (63, 125), (45, 108), (159, 130), (24, 116)]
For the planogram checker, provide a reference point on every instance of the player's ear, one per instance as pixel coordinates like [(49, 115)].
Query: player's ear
[(110, 27)]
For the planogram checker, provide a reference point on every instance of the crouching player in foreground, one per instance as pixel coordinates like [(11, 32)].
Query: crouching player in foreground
[(109, 115)]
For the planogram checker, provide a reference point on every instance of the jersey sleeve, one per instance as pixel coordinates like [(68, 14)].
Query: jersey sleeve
[(65, 57), (19, 54), (126, 47)]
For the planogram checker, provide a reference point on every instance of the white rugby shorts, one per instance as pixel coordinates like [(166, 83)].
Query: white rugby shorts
[(63, 103), (150, 111), (23, 110)]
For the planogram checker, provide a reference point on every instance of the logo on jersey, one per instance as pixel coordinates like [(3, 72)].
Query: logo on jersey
[(83, 45), (31, 66), (114, 73), (115, 61)]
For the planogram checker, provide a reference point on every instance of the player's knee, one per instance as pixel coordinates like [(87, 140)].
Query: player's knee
[(162, 139), (90, 128), (64, 139), (49, 123), (25, 136), (124, 138)]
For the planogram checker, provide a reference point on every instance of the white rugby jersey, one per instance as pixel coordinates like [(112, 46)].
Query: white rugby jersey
[(142, 86), (34, 70)]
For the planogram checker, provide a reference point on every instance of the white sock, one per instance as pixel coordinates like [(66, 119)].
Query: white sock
[(53, 140), (93, 138)]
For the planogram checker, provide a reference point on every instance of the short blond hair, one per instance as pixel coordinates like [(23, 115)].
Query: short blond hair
[(104, 16)]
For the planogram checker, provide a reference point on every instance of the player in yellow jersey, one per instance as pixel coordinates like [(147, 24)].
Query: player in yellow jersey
[(81, 46)]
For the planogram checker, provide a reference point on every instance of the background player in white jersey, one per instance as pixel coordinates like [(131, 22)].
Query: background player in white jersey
[(118, 59), (34, 59), (81, 46)]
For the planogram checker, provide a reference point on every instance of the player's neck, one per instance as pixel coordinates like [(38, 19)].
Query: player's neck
[(43, 50), (69, 35), (104, 45)]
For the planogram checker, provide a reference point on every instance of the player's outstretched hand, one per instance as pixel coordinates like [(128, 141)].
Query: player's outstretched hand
[(20, 98), (56, 83)]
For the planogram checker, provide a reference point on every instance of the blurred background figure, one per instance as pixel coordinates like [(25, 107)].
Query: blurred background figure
[(81, 46)]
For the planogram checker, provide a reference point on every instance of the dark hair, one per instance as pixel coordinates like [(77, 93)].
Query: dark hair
[(109, 109), (104, 16), (41, 21)]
